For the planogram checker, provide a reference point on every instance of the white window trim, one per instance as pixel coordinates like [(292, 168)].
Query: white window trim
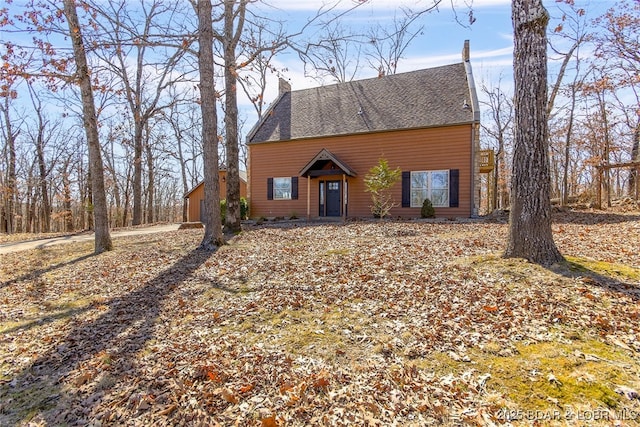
[(429, 187), (287, 194)]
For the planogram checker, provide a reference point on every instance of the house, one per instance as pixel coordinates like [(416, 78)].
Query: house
[(310, 152), (195, 197)]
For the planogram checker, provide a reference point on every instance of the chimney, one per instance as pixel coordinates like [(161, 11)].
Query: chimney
[(465, 51), (283, 86)]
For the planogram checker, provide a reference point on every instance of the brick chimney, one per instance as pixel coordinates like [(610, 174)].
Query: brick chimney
[(465, 51), (283, 86)]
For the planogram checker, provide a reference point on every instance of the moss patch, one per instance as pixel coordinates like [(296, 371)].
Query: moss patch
[(343, 251), (610, 269), (547, 375)]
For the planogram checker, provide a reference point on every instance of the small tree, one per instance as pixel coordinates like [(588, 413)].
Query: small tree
[(378, 182), (427, 210)]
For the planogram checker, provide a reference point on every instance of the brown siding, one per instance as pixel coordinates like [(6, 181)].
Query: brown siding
[(197, 194), (420, 149)]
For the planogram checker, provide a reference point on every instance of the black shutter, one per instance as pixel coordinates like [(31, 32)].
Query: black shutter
[(269, 188), (294, 188), (454, 184), (406, 189)]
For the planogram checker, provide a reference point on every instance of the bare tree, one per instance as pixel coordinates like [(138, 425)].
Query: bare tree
[(213, 237), (388, 44), (132, 36), (83, 79), (10, 186), (67, 199), (40, 139), (182, 118), (530, 235), (500, 129), (635, 157), (253, 79), (234, 21), (619, 46), (336, 55)]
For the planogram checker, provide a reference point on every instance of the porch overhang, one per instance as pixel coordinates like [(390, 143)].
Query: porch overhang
[(318, 166)]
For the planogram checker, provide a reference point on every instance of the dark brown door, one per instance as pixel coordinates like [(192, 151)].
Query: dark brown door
[(333, 198)]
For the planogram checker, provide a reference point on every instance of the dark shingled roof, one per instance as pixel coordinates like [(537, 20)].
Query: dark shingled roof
[(418, 99)]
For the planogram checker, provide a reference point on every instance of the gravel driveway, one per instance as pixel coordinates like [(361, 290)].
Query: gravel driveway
[(43, 243)]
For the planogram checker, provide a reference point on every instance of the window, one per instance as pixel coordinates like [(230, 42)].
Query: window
[(282, 188), (432, 185)]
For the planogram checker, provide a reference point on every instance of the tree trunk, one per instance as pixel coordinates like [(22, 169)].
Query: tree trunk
[(44, 190), (530, 234), (567, 148), (102, 237), (137, 173), (30, 204), (496, 172), (607, 145), (150, 177), (213, 223), (83, 197), (183, 173), (66, 196), (635, 157), (230, 41), (127, 200), (11, 182)]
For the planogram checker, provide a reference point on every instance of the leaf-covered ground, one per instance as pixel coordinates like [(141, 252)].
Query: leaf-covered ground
[(363, 323)]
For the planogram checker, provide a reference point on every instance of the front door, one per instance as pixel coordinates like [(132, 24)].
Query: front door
[(333, 199)]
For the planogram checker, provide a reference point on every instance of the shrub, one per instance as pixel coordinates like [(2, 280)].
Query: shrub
[(223, 210), (244, 209), (378, 182), (427, 210)]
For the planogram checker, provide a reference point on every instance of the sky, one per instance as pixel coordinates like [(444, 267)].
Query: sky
[(442, 38), (440, 42)]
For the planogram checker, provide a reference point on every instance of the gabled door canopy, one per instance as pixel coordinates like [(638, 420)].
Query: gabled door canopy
[(316, 167)]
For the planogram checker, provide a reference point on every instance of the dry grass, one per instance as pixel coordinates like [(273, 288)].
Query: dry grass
[(408, 322)]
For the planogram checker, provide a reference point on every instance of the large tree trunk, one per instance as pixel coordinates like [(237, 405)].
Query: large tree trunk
[(212, 220), (530, 234), (101, 221), (231, 38)]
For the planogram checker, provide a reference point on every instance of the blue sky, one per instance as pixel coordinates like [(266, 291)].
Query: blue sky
[(441, 43)]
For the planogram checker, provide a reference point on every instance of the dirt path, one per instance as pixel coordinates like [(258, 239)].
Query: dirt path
[(43, 243)]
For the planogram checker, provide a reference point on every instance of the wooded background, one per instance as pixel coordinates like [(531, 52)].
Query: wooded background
[(143, 61)]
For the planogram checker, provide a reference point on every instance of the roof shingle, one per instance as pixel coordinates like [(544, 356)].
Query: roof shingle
[(417, 99)]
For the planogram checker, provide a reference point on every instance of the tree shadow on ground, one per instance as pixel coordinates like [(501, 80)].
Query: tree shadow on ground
[(34, 275), (128, 323), (572, 270), (592, 218)]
